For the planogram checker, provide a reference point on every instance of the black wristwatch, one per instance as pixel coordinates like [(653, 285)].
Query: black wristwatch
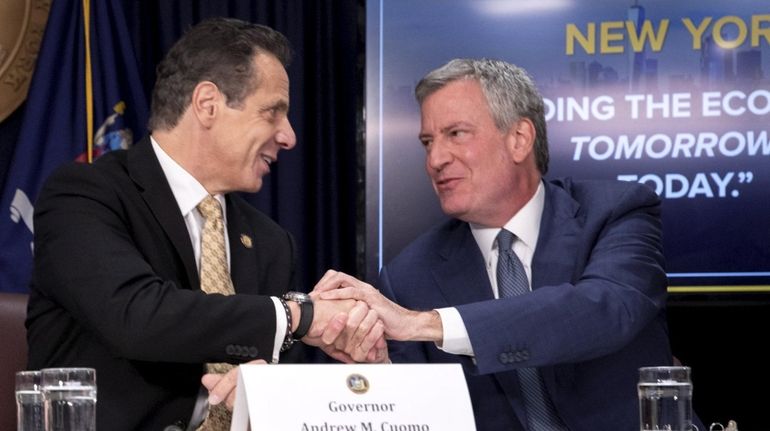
[(306, 312)]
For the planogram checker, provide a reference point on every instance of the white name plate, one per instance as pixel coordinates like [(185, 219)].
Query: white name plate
[(356, 397)]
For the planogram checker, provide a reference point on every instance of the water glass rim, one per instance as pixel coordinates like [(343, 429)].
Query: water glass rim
[(67, 377), (28, 380), (67, 369), (665, 368), (664, 374)]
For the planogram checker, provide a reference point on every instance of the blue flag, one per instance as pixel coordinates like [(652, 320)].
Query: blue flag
[(85, 99)]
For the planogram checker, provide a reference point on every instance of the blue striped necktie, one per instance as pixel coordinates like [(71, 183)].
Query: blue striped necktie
[(512, 281)]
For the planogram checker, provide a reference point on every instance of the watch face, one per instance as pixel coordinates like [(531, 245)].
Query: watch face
[(297, 297)]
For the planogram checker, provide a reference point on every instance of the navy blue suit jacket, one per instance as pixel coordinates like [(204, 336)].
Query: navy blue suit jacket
[(595, 315)]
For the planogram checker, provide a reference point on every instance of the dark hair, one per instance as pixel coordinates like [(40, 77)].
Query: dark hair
[(220, 50), (509, 90)]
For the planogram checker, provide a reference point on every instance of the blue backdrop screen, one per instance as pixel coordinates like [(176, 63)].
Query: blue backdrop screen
[(675, 95)]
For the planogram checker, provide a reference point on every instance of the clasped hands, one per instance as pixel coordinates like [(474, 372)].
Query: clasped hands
[(351, 321), (358, 332)]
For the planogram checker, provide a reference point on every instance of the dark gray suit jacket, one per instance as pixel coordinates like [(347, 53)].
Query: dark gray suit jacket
[(115, 287), (595, 315)]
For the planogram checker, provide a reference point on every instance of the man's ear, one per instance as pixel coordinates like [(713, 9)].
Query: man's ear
[(206, 100), (521, 139)]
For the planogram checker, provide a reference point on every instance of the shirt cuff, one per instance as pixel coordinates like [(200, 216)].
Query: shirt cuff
[(280, 328), (456, 340)]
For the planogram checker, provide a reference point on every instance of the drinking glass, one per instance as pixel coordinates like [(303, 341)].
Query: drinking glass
[(29, 402), (70, 398), (665, 399)]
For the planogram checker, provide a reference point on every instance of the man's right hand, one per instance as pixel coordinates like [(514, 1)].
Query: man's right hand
[(347, 330), (400, 323)]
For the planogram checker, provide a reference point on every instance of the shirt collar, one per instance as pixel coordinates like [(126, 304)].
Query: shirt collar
[(187, 191), (525, 224)]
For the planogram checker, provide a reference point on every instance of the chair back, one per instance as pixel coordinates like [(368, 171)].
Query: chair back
[(13, 353)]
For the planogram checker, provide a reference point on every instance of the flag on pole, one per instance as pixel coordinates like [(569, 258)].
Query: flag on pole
[(86, 98)]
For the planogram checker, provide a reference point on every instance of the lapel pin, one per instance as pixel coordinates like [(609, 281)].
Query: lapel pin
[(246, 240)]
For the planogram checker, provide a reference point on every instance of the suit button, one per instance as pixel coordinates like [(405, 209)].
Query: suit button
[(253, 352), (503, 358), (230, 349)]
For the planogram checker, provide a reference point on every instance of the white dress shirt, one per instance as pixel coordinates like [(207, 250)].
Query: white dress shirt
[(525, 224), (188, 193)]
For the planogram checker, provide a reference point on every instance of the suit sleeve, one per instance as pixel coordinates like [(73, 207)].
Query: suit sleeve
[(619, 292), (88, 262)]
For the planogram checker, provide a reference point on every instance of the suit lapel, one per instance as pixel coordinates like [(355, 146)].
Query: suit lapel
[(243, 253), (554, 259), (461, 275), (555, 262), (462, 279), (144, 169)]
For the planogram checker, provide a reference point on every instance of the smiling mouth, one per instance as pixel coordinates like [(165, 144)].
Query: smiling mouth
[(445, 184)]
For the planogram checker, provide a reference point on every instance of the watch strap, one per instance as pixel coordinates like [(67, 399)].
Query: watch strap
[(305, 320), (288, 339)]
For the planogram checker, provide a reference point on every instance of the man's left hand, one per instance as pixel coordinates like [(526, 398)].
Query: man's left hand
[(222, 386)]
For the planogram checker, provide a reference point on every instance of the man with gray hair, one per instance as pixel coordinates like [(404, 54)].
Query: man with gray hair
[(550, 293)]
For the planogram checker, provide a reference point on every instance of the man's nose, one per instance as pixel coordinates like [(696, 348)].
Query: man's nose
[(438, 155), (286, 137)]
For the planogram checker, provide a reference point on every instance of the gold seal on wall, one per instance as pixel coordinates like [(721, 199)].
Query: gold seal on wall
[(22, 23)]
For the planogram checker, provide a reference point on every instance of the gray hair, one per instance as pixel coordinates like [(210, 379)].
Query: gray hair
[(509, 90)]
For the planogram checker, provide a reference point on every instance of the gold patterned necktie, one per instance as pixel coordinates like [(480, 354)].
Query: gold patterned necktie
[(215, 278)]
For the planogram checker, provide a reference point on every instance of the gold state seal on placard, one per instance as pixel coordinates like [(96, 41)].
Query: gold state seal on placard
[(22, 23), (357, 383)]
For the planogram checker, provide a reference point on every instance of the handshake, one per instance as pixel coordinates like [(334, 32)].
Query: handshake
[(352, 320)]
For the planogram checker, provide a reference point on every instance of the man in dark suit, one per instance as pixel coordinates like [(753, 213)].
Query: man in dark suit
[(563, 353), (116, 282)]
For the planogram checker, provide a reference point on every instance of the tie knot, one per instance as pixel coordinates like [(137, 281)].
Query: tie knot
[(210, 208), (504, 240)]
